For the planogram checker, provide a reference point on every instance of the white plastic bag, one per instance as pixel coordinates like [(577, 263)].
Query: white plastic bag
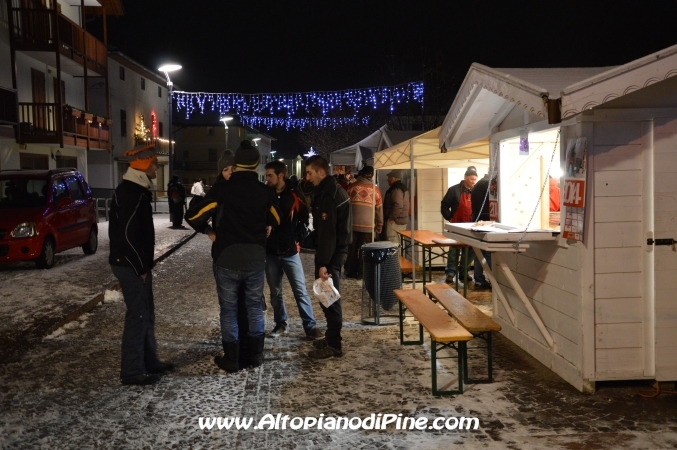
[(326, 292)]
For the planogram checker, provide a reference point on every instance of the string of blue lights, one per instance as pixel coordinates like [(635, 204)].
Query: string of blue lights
[(265, 109)]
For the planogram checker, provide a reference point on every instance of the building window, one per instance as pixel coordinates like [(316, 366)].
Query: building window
[(31, 161), (159, 91), (160, 129), (185, 154), (212, 155), (123, 123), (210, 131), (143, 84), (122, 73), (67, 161)]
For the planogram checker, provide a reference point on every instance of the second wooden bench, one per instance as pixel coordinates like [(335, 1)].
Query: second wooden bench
[(444, 332), (470, 317)]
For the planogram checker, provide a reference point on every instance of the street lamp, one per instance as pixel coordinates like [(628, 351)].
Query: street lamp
[(256, 141), (166, 69), (225, 120), (272, 154)]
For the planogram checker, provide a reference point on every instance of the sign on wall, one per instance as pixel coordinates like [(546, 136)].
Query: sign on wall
[(575, 162)]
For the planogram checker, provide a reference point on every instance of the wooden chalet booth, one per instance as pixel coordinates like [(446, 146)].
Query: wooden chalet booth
[(594, 297)]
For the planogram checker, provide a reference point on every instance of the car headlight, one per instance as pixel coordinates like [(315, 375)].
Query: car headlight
[(26, 229)]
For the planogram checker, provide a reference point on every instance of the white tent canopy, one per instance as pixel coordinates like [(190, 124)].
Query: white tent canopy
[(351, 155), (426, 154)]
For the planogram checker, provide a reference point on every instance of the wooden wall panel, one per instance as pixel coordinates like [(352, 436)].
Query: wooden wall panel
[(618, 209), (618, 183), (622, 360), (619, 234), (618, 157), (618, 285), (618, 310), (618, 335), (617, 133), (617, 260)]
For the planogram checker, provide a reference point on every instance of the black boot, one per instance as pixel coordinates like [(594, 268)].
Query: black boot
[(229, 360), (245, 353), (256, 350)]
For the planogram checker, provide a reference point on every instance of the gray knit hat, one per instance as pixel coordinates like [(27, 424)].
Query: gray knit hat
[(247, 156), (227, 159)]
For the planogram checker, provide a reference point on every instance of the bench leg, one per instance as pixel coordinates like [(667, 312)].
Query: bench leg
[(403, 310), (486, 337), (460, 350)]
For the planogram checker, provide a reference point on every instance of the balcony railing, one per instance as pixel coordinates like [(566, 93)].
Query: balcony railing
[(34, 29), (9, 107), (38, 123)]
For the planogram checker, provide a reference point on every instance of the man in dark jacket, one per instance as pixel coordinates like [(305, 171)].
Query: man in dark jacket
[(132, 247), (456, 207), (480, 211), (176, 195), (247, 208), (333, 233), (282, 253)]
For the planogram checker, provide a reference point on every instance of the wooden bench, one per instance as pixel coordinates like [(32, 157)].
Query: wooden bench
[(470, 317), (444, 332), (407, 267)]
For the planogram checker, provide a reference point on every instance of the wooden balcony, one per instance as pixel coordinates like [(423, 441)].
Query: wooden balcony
[(47, 123), (39, 29)]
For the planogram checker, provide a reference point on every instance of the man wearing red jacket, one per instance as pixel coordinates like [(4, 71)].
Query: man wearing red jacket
[(457, 208)]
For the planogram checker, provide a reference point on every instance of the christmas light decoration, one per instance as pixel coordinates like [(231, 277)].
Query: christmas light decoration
[(310, 153), (266, 109)]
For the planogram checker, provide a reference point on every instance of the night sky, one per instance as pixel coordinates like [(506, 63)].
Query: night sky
[(253, 46)]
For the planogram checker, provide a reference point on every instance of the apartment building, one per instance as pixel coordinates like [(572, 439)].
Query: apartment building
[(50, 64)]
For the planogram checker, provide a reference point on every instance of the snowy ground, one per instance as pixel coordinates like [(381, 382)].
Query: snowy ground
[(32, 299), (65, 392)]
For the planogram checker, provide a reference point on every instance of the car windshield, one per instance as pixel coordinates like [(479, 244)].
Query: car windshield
[(22, 192)]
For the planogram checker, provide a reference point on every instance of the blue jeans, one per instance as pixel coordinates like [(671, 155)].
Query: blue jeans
[(228, 283), (290, 266), (479, 270), (453, 263)]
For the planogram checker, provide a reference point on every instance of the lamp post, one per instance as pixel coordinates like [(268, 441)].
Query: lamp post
[(166, 69), (225, 120)]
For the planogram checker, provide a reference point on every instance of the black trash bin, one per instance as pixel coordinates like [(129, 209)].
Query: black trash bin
[(381, 275)]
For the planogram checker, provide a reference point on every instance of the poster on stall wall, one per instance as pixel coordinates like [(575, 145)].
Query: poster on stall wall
[(524, 144), (493, 199), (575, 166)]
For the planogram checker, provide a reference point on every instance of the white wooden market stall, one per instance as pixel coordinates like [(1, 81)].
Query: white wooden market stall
[(600, 304)]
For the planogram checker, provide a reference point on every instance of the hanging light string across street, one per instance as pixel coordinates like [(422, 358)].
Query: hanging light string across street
[(255, 107)]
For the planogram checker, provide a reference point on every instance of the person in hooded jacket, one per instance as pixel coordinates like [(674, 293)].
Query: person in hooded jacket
[(132, 248), (176, 194), (246, 212)]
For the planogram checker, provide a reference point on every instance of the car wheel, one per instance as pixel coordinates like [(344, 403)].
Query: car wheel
[(92, 243), (46, 258)]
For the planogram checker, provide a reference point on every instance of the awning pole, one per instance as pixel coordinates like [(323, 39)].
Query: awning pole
[(413, 215)]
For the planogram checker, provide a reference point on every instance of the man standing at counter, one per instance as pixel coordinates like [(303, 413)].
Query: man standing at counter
[(456, 207)]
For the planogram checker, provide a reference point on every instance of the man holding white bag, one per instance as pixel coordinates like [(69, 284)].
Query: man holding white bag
[(333, 234)]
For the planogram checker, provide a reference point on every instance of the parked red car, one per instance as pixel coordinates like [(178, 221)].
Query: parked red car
[(43, 212)]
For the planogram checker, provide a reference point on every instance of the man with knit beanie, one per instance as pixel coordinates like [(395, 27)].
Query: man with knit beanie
[(132, 246), (247, 210)]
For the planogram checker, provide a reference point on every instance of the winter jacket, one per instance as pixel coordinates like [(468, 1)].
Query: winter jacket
[(176, 194), (332, 221), (131, 230), (452, 199), (246, 207), (294, 227), (396, 203), (477, 196), (366, 215)]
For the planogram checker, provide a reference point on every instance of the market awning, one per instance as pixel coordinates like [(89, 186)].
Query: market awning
[(427, 154)]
